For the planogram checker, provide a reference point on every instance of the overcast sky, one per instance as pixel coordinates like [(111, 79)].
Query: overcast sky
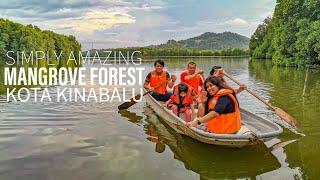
[(122, 23)]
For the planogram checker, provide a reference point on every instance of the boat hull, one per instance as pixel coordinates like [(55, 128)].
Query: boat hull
[(233, 140)]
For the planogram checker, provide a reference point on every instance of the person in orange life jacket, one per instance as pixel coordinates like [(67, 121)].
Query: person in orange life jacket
[(192, 78), (218, 72), (181, 101), (219, 111), (156, 77)]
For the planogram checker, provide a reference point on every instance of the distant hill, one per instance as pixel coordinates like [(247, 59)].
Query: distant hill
[(208, 41), (207, 44)]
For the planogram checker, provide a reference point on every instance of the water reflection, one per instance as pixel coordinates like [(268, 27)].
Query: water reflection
[(289, 85), (93, 141), (149, 129), (207, 160), (133, 117), (218, 162)]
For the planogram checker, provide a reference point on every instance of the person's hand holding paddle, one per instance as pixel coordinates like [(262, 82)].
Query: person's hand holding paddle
[(151, 89), (132, 101), (242, 87), (200, 72), (278, 111)]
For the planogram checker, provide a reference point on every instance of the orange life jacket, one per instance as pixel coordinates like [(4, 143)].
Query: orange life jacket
[(225, 123), (156, 79), (176, 94), (194, 83)]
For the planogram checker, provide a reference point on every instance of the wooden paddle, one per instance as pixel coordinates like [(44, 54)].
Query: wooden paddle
[(132, 101), (280, 112)]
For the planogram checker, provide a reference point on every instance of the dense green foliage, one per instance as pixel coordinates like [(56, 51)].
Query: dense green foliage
[(30, 39), (2, 87), (208, 41), (292, 36), (17, 37), (154, 52)]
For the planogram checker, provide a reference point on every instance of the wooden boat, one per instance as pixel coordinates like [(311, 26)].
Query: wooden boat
[(254, 129)]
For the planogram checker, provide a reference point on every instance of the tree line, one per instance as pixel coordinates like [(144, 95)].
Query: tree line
[(291, 36), (17, 37), (152, 52)]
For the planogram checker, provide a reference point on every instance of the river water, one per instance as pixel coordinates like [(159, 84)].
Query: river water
[(90, 140)]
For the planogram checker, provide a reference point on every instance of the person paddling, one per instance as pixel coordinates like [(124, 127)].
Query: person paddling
[(218, 72), (219, 111), (192, 78), (181, 101), (156, 77)]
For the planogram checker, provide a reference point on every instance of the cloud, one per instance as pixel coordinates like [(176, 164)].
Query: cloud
[(145, 31), (98, 20), (207, 25), (237, 22), (123, 23), (147, 7), (76, 15)]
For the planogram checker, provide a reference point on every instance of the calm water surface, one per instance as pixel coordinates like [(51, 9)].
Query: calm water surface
[(90, 140)]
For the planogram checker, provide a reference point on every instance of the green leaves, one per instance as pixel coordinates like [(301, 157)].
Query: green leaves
[(17, 37), (291, 37)]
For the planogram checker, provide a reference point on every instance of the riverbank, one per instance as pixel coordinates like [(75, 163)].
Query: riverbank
[(171, 52), (306, 66), (153, 57)]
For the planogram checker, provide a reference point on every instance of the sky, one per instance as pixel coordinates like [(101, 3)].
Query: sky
[(124, 23)]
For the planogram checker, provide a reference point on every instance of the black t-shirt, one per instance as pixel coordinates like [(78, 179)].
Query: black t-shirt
[(224, 105)]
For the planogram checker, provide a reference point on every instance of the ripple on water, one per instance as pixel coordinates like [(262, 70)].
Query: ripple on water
[(89, 140)]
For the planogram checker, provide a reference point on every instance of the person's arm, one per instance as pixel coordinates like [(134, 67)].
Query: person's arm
[(202, 99), (203, 119), (240, 89), (147, 87), (147, 82), (208, 117), (167, 103), (222, 107), (201, 109), (171, 80), (189, 77), (236, 91)]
